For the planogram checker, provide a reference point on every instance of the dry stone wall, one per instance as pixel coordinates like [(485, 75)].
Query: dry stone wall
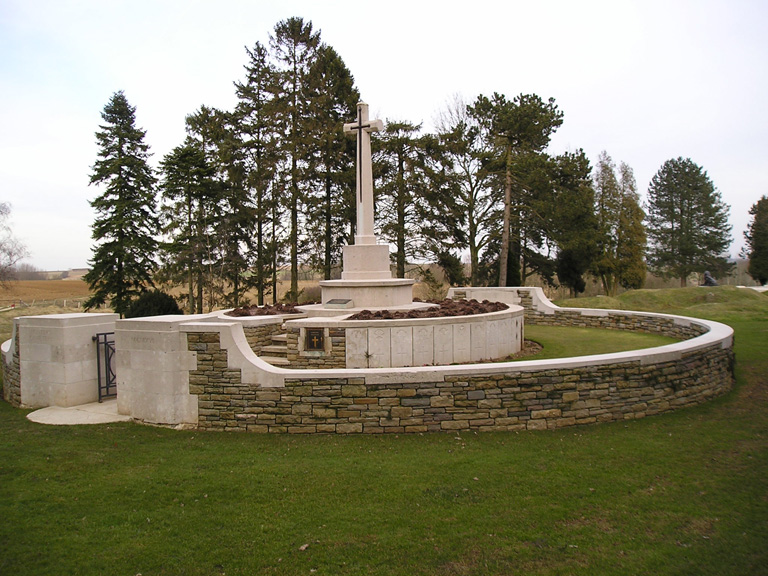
[(259, 336), (12, 374), (632, 322), (334, 357), (514, 397)]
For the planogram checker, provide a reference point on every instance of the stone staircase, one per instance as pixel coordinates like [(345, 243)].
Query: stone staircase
[(277, 352)]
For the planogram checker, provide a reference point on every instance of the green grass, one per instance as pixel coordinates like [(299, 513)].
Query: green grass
[(562, 342), (681, 493), (718, 303)]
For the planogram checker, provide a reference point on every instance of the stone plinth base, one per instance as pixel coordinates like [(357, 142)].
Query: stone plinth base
[(321, 311), (366, 262), (385, 293)]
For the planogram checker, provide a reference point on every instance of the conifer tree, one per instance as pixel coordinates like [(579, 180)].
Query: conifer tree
[(208, 131), (294, 47), (402, 172), (237, 215), (607, 204), (126, 221), (331, 202), (756, 236), (621, 234), (687, 222), (573, 222), (256, 123), (631, 235), (188, 194), (518, 130)]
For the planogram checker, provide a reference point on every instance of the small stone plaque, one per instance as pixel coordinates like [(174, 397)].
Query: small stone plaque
[(339, 303), (315, 340)]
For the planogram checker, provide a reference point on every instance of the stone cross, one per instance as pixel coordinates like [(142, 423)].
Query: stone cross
[(363, 127)]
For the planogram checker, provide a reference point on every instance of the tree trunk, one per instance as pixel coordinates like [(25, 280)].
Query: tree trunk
[(274, 252), (294, 232), (259, 249), (474, 263), (191, 275), (328, 226), (401, 218), (504, 254)]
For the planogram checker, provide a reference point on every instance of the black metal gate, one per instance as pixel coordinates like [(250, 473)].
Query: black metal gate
[(105, 363)]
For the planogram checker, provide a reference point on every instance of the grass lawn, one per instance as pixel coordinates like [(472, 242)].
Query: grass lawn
[(681, 493), (562, 342)]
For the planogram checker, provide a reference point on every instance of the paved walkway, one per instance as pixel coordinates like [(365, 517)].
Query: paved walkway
[(94, 413)]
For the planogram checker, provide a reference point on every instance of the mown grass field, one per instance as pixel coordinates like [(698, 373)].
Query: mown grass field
[(682, 493)]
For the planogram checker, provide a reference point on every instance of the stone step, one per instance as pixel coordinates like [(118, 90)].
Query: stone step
[(275, 350), (282, 338), (275, 360)]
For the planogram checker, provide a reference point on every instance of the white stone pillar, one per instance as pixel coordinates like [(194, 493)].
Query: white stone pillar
[(364, 190)]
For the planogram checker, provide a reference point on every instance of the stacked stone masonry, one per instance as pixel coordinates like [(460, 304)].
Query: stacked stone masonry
[(510, 400), (261, 335), (336, 358), (12, 377), (665, 326)]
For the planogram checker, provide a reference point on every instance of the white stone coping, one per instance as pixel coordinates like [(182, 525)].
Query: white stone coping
[(262, 320), (320, 311), (69, 320), (366, 283), (343, 322), (256, 371), (172, 321)]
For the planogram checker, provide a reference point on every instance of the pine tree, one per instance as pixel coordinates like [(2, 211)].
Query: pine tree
[(295, 46), (607, 208), (256, 124), (208, 131), (237, 215), (519, 130), (188, 193), (402, 169), (687, 222), (332, 170), (756, 236), (573, 222), (126, 221), (621, 234), (631, 235)]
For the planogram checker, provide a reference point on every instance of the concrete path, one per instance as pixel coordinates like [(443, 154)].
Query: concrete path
[(94, 413)]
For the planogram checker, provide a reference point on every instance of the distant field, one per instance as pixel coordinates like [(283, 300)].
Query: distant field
[(36, 290)]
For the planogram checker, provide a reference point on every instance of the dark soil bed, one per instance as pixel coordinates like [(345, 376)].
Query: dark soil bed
[(266, 310), (445, 308)]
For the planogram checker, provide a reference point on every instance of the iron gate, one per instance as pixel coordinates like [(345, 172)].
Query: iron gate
[(105, 364)]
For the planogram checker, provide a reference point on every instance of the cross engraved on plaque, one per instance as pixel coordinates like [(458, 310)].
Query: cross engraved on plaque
[(315, 340)]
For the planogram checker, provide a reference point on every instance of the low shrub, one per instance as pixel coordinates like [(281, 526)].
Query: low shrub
[(153, 303)]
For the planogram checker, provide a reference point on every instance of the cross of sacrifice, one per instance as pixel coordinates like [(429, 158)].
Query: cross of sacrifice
[(363, 128)]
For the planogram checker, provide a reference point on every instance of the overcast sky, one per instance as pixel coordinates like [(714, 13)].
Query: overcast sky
[(646, 81)]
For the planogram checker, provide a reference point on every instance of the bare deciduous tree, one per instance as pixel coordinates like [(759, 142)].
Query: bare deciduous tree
[(11, 249)]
